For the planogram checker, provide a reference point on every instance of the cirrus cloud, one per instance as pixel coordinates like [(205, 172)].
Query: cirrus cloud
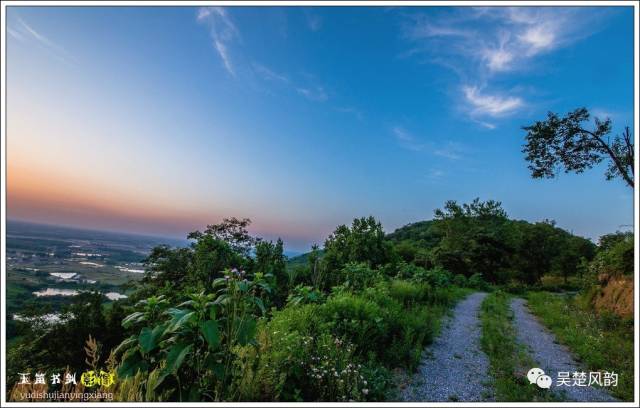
[(495, 105), (480, 45), (223, 32)]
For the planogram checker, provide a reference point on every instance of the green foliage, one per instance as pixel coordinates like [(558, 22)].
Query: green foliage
[(363, 242), (210, 257), (186, 352), (408, 270), (233, 231), (229, 319), (564, 142), (603, 343), (358, 319), (382, 327), (304, 294), (465, 239), (460, 281), (298, 359), (516, 288), (477, 282), (400, 318), (409, 293), (436, 277), (357, 276), (270, 261), (59, 345), (615, 254), (289, 366)]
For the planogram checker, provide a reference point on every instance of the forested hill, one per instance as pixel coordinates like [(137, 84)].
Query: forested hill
[(480, 238), (423, 233)]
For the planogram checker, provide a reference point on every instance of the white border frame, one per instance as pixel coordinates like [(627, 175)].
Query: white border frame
[(294, 3)]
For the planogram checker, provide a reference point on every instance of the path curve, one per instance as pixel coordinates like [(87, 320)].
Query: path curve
[(454, 368), (551, 356)]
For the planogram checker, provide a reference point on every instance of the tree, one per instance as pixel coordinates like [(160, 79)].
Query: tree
[(364, 243), (615, 254), (211, 256), (233, 231), (315, 268), (472, 238), (168, 265), (538, 246), (271, 262), (575, 251), (565, 142)]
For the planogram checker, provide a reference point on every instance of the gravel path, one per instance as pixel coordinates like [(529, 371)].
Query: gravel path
[(453, 367), (551, 356)]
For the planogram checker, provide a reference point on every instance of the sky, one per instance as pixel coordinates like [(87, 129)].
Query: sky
[(161, 120)]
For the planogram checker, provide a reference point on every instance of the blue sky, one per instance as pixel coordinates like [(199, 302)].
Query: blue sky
[(161, 120)]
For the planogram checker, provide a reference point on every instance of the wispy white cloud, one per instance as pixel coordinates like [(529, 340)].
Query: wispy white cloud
[(15, 34), (25, 32), (538, 38), (224, 55), (227, 42), (482, 44), (36, 35), (451, 151), (428, 30), (307, 88), (223, 32), (268, 74), (351, 110), (486, 125), (406, 139), (499, 58), (490, 105), (315, 93), (540, 29)]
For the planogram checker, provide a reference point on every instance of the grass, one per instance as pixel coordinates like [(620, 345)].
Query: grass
[(508, 360), (602, 343)]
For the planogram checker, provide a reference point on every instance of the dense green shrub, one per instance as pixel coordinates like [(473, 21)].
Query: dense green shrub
[(476, 281), (304, 294), (291, 366), (363, 242), (436, 277), (409, 293), (615, 255), (357, 276), (400, 316), (358, 320), (186, 352), (409, 270), (460, 281), (516, 288)]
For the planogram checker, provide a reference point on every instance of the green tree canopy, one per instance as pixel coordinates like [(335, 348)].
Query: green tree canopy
[(364, 242), (566, 142)]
